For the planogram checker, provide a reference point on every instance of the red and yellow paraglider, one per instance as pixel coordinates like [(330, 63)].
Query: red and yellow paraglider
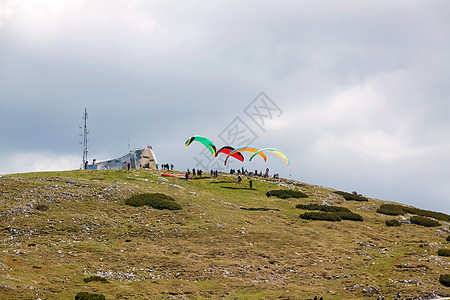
[(228, 150)]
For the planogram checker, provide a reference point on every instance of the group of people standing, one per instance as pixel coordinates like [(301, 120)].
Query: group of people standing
[(256, 173), (166, 167)]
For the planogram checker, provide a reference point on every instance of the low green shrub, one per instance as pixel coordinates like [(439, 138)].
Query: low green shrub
[(393, 222), (444, 252), (89, 296), (321, 215), (95, 278), (424, 221), (328, 208), (285, 194), (350, 216), (397, 209), (155, 200), (391, 209), (444, 279), (427, 213), (42, 207), (350, 196), (343, 212), (259, 209)]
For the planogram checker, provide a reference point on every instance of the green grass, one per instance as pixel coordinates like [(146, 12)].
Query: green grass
[(227, 241)]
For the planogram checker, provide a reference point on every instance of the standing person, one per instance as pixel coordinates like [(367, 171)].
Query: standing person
[(251, 183), (187, 175), (171, 167), (193, 171), (128, 166), (239, 179)]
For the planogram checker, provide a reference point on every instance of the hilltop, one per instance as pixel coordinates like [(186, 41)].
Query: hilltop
[(58, 229)]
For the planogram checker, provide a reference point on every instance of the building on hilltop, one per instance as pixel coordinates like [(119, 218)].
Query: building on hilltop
[(136, 159)]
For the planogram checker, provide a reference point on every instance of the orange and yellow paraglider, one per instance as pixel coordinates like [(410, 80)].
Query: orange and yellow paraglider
[(274, 151)]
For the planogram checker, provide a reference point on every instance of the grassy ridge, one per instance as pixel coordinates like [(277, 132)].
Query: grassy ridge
[(228, 241)]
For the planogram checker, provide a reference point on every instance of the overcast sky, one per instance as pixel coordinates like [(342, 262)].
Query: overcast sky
[(356, 93)]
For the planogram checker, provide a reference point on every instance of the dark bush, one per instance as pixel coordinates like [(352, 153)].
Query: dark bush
[(42, 207), (323, 216), (259, 209), (342, 212), (285, 194), (96, 278), (89, 296), (155, 200), (444, 279), (328, 208), (351, 216), (427, 213), (391, 209), (444, 252), (424, 221), (393, 222), (397, 209), (351, 197), (448, 238)]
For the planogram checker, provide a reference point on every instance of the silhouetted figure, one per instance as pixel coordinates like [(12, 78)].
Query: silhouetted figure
[(193, 172), (239, 179), (187, 175), (251, 183)]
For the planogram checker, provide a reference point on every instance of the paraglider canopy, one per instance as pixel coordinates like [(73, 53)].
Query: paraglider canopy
[(228, 150), (206, 142), (247, 149), (274, 151)]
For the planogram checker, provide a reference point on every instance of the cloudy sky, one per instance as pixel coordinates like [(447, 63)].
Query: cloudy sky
[(355, 92)]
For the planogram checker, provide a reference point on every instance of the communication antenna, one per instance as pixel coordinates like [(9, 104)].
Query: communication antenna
[(85, 139)]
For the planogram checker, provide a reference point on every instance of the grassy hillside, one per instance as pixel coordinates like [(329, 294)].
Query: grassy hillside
[(228, 241)]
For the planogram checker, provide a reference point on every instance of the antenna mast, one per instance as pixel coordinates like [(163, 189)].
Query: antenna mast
[(85, 139)]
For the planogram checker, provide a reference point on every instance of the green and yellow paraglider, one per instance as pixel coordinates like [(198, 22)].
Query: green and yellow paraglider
[(205, 141)]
